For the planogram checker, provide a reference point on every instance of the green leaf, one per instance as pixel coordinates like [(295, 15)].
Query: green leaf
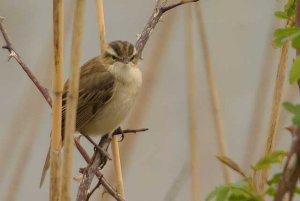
[(294, 109), (271, 191), (290, 8), (295, 71), (296, 42), (275, 179), (223, 193), (296, 119), (267, 161), (281, 36), (212, 194), (281, 15)]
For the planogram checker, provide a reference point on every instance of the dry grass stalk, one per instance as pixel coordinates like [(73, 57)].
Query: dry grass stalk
[(192, 108), (72, 100), (115, 145), (150, 77), (117, 166), (101, 24), (274, 118), (219, 128), (57, 85), (257, 119)]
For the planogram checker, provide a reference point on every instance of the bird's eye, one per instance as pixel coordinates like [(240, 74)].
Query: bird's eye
[(131, 58), (114, 58)]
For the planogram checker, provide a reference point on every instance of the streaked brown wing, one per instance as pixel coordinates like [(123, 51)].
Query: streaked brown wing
[(96, 88)]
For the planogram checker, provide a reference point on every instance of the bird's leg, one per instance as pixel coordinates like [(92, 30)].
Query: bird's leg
[(104, 144), (120, 132), (98, 147)]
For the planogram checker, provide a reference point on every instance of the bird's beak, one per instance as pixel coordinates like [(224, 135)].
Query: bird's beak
[(125, 61)]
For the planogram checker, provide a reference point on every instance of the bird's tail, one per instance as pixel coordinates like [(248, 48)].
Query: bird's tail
[(45, 168)]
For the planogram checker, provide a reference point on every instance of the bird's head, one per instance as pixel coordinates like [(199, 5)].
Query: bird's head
[(121, 53)]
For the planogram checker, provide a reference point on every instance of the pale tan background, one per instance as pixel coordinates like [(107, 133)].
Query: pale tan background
[(239, 36)]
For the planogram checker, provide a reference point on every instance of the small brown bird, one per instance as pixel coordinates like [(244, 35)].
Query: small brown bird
[(108, 87)]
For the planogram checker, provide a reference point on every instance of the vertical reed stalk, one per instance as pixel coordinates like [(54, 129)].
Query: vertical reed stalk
[(57, 85), (274, 118), (101, 24), (117, 166), (219, 128), (115, 145), (192, 116), (72, 100)]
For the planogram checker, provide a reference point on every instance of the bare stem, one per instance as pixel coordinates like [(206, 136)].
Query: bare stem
[(214, 96), (13, 53), (72, 100)]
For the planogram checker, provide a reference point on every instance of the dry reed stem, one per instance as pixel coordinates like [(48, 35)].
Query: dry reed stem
[(101, 24), (219, 128), (72, 100), (114, 145), (57, 85), (25, 152), (256, 121), (150, 78), (192, 108), (276, 105), (117, 166)]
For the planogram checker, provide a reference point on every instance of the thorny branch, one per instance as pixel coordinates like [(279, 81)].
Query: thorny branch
[(159, 10), (291, 172), (16, 56)]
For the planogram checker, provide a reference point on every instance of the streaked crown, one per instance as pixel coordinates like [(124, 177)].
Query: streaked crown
[(121, 51)]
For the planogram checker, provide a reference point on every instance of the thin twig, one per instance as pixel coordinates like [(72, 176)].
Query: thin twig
[(276, 105), (72, 100), (159, 10), (13, 53), (214, 96), (291, 172), (57, 85), (192, 116)]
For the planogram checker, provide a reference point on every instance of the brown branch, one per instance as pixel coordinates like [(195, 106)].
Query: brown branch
[(94, 164), (291, 172), (100, 176), (159, 10), (13, 53)]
